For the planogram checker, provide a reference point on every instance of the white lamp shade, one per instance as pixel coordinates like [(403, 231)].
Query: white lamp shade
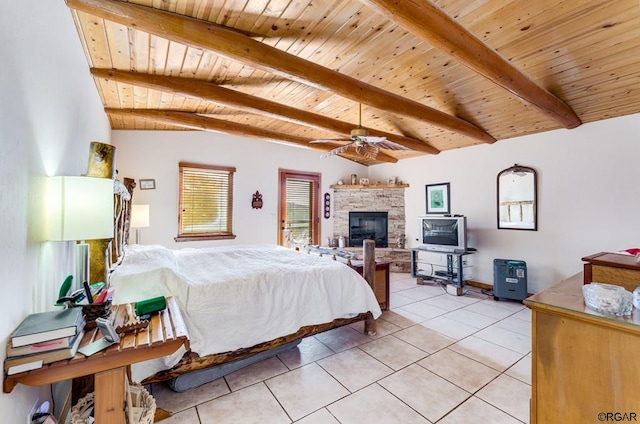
[(80, 208), (139, 216)]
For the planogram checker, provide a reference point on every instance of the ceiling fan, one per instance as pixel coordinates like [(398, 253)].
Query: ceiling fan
[(360, 141)]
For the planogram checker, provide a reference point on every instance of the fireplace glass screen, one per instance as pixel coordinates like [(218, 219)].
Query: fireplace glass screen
[(368, 226)]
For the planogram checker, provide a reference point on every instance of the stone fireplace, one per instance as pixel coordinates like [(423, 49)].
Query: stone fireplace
[(387, 198)]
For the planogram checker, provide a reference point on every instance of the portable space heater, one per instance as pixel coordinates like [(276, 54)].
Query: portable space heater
[(509, 279)]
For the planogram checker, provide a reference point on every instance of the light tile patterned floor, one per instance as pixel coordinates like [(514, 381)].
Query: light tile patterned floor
[(436, 358)]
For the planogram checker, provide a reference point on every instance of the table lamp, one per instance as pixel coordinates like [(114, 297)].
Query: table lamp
[(80, 208), (139, 219)]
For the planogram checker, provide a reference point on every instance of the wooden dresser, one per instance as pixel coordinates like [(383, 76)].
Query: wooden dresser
[(584, 364)]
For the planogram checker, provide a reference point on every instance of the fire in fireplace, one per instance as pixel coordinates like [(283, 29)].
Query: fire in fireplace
[(368, 226)]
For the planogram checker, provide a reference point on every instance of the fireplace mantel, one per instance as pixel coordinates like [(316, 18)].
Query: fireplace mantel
[(366, 186)]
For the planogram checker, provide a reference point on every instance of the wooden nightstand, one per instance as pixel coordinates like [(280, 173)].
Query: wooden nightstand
[(164, 335), (382, 281)]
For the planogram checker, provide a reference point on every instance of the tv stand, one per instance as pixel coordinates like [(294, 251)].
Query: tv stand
[(454, 272)]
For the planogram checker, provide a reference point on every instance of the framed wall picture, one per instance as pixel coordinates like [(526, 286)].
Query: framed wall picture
[(438, 198), (147, 184)]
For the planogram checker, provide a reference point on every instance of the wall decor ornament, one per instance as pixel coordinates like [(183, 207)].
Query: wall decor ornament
[(102, 162), (256, 201), (327, 205)]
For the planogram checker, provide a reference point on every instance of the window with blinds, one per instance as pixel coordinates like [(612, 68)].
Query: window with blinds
[(205, 202)]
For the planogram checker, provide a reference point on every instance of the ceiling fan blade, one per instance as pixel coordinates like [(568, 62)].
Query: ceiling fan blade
[(336, 151), (368, 150), (329, 140), (372, 139), (390, 145)]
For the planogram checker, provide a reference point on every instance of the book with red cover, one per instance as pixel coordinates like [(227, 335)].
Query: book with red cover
[(37, 360)]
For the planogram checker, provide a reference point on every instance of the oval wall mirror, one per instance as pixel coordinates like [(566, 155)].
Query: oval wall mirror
[(517, 203)]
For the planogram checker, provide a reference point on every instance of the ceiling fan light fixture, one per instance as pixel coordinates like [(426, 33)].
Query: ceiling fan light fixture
[(359, 132)]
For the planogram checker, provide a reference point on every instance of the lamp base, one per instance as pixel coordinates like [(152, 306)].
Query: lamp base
[(82, 264)]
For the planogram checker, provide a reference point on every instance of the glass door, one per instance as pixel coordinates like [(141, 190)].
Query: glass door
[(298, 211)]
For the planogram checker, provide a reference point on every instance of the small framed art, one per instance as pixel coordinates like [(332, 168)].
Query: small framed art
[(438, 198), (148, 184)]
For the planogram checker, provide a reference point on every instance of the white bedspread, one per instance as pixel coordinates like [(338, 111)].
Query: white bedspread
[(239, 296)]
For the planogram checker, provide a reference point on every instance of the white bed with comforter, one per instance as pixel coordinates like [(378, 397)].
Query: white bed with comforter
[(239, 296)]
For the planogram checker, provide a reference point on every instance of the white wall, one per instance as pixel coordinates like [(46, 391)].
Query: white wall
[(155, 154), (587, 196), (49, 113), (586, 190)]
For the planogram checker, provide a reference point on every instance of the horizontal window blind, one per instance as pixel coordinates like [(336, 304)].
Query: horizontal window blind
[(300, 194), (206, 200)]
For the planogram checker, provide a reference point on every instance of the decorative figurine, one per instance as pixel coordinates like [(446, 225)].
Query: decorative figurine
[(256, 202)]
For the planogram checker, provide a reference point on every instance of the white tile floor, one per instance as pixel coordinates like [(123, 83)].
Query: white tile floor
[(436, 358)]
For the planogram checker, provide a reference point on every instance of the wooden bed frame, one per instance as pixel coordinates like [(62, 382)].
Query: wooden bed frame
[(108, 255)]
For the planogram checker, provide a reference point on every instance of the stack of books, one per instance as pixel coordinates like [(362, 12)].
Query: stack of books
[(44, 337)]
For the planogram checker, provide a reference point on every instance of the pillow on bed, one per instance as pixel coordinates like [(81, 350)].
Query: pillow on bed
[(141, 258), (146, 272)]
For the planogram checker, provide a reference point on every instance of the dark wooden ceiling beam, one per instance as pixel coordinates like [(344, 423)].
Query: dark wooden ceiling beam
[(205, 123), (428, 22), (231, 44), (235, 99)]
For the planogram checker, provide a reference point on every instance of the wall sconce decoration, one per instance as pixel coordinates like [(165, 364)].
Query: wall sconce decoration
[(327, 205), (256, 202)]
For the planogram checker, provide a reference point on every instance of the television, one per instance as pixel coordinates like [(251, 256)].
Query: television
[(443, 233)]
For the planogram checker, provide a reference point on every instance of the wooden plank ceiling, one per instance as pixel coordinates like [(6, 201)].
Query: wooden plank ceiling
[(430, 76)]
